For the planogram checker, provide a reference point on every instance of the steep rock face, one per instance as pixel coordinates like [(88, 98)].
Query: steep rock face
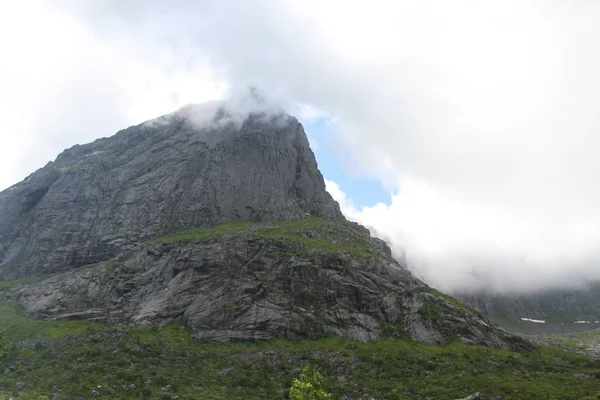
[(260, 281), (96, 200)]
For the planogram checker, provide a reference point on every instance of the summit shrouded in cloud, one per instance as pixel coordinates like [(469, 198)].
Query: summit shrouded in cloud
[(479, 118)]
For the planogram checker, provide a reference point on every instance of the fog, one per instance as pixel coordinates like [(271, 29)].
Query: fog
[(480, 118)]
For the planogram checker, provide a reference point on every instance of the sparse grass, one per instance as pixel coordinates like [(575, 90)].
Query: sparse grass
[(166, 363), (312, 234), (19, 327), (16, 282), (592, 336), (189, 235), (113, 264), (450, 299), (576, 341)]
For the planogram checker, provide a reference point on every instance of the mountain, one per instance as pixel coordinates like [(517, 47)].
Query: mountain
[(552, 305), (96, 200), (218, 219)]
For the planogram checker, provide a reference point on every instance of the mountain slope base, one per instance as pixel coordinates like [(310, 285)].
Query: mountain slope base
[(76, 359), (258, 281)]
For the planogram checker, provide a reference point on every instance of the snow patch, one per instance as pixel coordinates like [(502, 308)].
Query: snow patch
[(536, 321)]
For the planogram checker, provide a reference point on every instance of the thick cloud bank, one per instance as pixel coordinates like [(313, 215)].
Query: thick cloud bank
[(481, 118)]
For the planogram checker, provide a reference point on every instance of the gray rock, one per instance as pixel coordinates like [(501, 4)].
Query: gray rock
[(227, 373), (474, 396), (96, 200), (110, 390), (275, 293), (38, 343), (20, 385), (94, 394), (246, 287)]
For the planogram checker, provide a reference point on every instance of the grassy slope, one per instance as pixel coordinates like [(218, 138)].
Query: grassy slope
[(582, 342), (79, 357), (314, 234), (166, 363)]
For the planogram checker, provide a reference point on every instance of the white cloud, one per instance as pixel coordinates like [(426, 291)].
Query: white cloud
[(346, 205), (481, 117), (63, 84), (456, 245)]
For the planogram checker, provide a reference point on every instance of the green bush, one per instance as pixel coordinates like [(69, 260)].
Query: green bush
[(309, 386)]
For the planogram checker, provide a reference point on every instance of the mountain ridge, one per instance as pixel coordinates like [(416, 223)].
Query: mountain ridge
[(219, 220), (552, 305)]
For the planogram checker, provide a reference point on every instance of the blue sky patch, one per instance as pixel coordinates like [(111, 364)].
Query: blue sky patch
[(362, 190)]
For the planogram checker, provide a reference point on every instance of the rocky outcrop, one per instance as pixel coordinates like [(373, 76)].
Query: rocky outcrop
[(474, 396), (222, 222), (292, 279), (96, 200)]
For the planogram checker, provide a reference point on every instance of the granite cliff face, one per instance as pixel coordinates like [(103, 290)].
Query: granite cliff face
[(96, 200), (225, 226)]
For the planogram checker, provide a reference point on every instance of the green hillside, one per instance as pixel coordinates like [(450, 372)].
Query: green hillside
[(83, 360)]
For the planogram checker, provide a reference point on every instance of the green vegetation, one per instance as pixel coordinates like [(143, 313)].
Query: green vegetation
[(582, 342), (114, 264), (76, 358), (16, 282), (449, 299), (311, 234), (18, 327), (589, 337), (188, 235), (309, 386)]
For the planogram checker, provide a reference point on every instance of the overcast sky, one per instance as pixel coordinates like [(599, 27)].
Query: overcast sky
[(478, 120)]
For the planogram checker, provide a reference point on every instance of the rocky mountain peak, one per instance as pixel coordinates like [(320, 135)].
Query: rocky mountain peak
[(200, 166)]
